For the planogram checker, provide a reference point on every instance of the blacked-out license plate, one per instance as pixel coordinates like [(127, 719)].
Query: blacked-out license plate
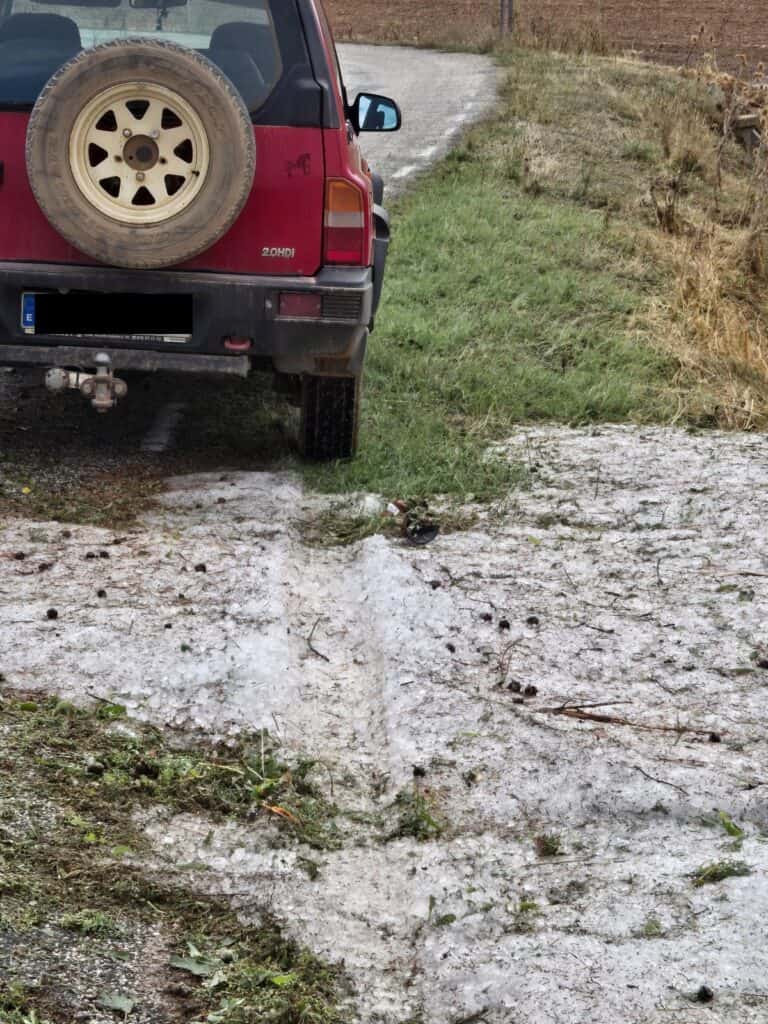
[(141, 319)]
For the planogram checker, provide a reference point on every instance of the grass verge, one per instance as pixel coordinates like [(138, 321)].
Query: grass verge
[(594, 252), (76, 911), (509, 298)]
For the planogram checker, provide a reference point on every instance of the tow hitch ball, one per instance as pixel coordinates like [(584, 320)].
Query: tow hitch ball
[(102, 387)]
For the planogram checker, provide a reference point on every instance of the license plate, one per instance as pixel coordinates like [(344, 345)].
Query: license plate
[(95, 317)]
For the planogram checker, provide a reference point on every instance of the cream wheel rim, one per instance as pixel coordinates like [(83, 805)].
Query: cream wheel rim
[(139, 153)]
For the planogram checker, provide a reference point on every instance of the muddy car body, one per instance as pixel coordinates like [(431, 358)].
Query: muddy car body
[(182, 189)]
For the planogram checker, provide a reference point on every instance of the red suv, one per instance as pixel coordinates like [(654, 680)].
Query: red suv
[(181, 189)]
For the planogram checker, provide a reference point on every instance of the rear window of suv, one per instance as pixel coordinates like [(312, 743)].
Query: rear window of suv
[(256, 43)]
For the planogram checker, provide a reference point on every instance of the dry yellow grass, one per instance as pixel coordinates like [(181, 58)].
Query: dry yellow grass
[(715, 327), (653, 149)]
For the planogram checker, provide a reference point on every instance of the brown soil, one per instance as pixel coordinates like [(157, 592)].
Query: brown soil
[(670, 30)]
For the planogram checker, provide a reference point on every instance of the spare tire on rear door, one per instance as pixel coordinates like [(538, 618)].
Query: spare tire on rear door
[(140, 153)]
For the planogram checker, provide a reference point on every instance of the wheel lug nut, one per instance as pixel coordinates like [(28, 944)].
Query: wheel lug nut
[(127, 133), (154, 134), (140, 176)]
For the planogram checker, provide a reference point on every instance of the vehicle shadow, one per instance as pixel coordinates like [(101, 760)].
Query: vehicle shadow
[(59, 459)]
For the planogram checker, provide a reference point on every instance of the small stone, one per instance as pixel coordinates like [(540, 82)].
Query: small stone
[(504, 625), (101, 593), (168, 625), (94, 767), (201, 567), (435, 584), (66, 534), (530, 690), (714, 737), (451, 648), (419, 772), (532, 620), (762, 662), (90, 555), (486, 617), (51, 614), (19, 556), (705, 994), (104, 554), (515, 687), (44, 566)]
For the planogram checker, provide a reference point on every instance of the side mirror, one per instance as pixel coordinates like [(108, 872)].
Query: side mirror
[(372, 113)]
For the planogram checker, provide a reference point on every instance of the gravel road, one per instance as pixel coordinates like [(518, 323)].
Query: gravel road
[(440, 94)]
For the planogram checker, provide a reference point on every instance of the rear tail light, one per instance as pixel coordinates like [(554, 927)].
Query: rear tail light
[(300, 304), (344, 223)]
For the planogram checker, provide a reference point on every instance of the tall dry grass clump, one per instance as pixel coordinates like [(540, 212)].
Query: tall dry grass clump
[(716, 329), (586, 37), (716, 319)]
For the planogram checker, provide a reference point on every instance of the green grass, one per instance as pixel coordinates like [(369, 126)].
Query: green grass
[(417, 817), (507, 300), (88, 922), (141, 766), (652, 928), (709, 874)]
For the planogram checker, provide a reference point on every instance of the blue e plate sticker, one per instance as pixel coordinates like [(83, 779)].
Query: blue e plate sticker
[(28, 313)]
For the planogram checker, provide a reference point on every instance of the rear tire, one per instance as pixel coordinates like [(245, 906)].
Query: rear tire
[(330, 416)]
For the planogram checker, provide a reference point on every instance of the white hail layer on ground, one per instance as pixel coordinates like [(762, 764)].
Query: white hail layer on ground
[(633, 569)]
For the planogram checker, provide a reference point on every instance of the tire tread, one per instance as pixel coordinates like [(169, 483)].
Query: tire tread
[(330, 410)]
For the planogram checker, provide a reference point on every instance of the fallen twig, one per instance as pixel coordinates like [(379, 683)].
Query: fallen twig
[(575, 860), (597, 704), (660, 781), (310, 645), (712, 571), (588, 716)]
